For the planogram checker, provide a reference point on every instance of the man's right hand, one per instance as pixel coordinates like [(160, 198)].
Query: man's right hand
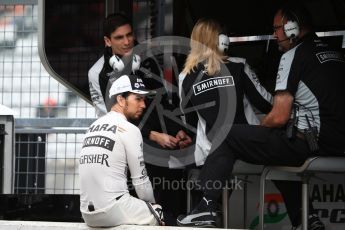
[(184, 139), (163, 139), (157, 212)]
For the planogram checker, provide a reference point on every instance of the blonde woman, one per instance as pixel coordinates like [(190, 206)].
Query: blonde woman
[(216, 91)]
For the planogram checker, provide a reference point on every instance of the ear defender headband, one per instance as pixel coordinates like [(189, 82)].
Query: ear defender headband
[(223, 43), (117, 64), (291, 27)]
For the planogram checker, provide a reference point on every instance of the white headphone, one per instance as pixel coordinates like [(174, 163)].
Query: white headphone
[(223, 43), (117, 64), (291, 28)]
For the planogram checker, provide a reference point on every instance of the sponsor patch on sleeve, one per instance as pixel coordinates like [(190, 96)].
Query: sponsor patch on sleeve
[(329, 56), (143, 174)]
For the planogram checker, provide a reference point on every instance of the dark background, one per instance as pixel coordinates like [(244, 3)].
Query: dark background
[(74, 41)]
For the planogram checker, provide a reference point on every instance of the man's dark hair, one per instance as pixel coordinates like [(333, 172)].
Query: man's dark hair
[(296, 11), (114, 21), (125, 94), (113, 100)]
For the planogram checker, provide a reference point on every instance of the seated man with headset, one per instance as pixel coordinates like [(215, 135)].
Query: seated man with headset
[(119, 59), (306, 120)]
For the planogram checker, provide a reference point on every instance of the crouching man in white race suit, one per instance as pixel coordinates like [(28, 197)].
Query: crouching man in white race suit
[(111, 146)]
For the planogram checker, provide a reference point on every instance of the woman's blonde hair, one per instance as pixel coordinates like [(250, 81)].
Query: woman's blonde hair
[(204, 47)]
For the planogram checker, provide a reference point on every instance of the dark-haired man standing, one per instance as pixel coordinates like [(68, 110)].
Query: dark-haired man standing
[(119, 43)]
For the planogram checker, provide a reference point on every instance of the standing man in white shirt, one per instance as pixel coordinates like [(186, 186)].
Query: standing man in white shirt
[(112, 145)]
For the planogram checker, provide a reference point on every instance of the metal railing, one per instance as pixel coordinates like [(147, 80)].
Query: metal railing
[(25, 85), (46, 155), (47, 142)]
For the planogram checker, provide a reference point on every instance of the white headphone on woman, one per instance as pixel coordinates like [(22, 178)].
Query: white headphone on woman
[(223, 43), (117, 64)]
